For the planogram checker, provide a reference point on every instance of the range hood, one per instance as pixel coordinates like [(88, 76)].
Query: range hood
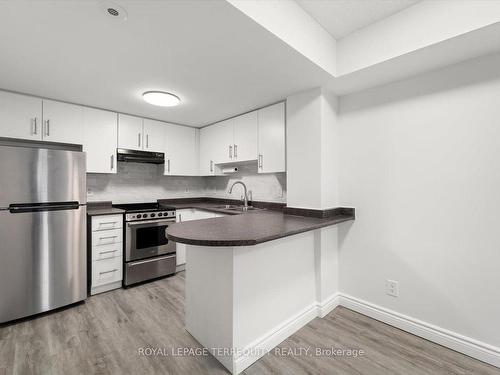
[(134, 156)]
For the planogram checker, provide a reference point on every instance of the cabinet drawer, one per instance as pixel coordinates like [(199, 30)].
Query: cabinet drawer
[(107, 237), (107, 222), (106, 271), (107, 251)]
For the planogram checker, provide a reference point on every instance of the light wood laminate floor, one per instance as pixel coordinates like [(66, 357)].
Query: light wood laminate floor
[(104, 336)]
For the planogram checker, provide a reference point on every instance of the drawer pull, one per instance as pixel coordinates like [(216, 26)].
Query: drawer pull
[(109, 251), (105, 272), (107, 238), (107, 223)]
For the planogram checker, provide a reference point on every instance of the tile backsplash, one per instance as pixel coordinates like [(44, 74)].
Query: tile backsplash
[(137, 182)]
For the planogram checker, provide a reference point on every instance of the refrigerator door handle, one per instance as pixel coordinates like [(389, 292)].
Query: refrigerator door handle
[(41, 207)]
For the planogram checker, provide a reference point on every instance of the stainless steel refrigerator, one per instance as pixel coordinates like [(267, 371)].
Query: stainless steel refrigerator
[(42, 230)]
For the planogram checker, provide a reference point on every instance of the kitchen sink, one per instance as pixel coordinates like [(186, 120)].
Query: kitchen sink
[(234, 207)]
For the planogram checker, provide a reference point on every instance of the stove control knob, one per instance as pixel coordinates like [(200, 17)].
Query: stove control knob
[(152, 215), (139, 216), (160, 214)]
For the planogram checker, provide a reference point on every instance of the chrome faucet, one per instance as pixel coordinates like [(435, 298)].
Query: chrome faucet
[(245, 199)]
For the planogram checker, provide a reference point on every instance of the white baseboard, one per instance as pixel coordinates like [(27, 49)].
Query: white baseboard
[(466, 345), (328, 305), (267, 342)]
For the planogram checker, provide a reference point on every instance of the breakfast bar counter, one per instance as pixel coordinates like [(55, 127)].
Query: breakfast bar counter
[(235, 314)]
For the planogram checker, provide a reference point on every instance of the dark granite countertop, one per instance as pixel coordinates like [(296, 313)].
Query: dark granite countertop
[(217, 205), (248, 228), (102, 208)]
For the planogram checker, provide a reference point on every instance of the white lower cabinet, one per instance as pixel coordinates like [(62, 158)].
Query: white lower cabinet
[(106, 251), (189, 214), (107, 271)]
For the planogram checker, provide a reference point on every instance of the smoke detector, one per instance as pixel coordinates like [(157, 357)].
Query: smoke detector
[(113, 11)]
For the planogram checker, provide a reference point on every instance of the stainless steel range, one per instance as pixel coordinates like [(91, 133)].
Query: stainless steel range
[(148, 252)]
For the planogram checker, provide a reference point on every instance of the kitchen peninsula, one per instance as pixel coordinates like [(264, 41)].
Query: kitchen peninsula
[(236, 314)]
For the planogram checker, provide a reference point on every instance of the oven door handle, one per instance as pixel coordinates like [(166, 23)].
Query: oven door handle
[(136, 223)]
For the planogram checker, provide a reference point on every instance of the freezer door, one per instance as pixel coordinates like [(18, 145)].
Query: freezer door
[(42, 260), (31, 175)]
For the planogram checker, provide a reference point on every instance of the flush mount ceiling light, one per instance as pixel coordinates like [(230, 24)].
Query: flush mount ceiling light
[(161, 98)]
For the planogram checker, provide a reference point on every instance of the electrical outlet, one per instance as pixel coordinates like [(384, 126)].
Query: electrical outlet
[(186, 190), (392, 288), (89, 192)]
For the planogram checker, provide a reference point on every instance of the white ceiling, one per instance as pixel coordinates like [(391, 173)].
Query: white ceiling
[(219, 61), (342, 17)]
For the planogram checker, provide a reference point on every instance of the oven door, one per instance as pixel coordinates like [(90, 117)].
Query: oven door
[(145, 239)]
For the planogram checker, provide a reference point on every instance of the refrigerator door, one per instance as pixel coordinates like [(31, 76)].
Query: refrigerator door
[(42, 259), (30, 175)]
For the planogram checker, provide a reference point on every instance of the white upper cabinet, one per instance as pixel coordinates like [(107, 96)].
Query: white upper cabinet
[(207, 151), (181, 150), (245, 137), (130, 135), (20, 116), (100, 140), (223, 136), (257, 135), (62, 122), (272, 139), (154, 136)]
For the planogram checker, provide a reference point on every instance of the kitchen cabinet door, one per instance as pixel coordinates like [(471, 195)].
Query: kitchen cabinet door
[(207, 147), (222, 142), (62, 122), (271, 139), (130, 132), (245, 137), (181, 151), (154, 136), (20, 116), (100, 140)]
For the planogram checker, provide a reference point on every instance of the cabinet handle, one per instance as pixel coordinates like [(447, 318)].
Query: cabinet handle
[(107, 252), (139, 140), (147, 140), (105, 272), (112, 162), (230, 152), (211, 166), (168, 165), (235, 151), (180, 218), (33, 126), (107, 223), (261, 161), (47, 128), (107, 238)]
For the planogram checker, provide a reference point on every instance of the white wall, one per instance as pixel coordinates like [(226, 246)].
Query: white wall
[(312, 150), (423, 24), (136, 182), (420, 161)]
